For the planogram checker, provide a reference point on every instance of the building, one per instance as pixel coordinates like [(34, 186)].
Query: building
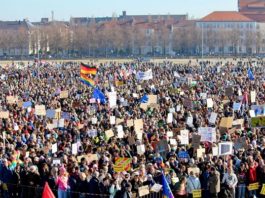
[(253, 9), (228, 32)]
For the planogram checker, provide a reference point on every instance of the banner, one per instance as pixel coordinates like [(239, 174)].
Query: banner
[(208, 134), (225, 148), (184, 137), (148, 75), (122, 164)]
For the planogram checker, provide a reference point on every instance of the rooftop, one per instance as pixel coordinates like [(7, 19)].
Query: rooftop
[(226, 16)]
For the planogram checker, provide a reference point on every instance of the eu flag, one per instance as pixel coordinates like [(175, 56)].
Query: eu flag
[(167, 193), (98, 95)]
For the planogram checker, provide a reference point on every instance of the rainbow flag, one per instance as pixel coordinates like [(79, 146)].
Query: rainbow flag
[(88, 81), (85, 69)]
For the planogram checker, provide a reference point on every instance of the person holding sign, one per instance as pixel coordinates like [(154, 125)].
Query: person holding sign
[(230, 181), (193, 183)]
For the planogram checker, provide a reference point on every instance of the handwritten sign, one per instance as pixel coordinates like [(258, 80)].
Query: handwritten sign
[(64, 94), (197, 193), (40, 110), (4, 114), (254, 186)]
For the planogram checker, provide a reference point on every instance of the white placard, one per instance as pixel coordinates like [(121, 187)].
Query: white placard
[(169, 134), (169, 117), (74, 148), (253, 96), (112, 120), (112, 99), (54, 148), (252, 113), (184, 137), (94, 120), (208, 134), (225, 148), (213, 118), (190, 121), (173, 142), (209, 103), (140, 149), (215, 151)]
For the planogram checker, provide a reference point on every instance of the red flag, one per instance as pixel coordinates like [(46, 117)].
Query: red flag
[(47, 192)]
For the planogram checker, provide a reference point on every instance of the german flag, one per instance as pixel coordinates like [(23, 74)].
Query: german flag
[(85, 69), (88, 81)]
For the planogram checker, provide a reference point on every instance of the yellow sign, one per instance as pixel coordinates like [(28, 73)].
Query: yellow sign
[(262, 192), (197, 193), (254, 186)]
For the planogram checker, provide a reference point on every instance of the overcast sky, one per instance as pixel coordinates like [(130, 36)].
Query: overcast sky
[(34, 10)]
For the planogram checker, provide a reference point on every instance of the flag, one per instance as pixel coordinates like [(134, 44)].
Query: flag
[(144, 99), (250, 74), (167, 193), (97, 94), (88, 81), (47, 192), (85, 69), (144, 75)]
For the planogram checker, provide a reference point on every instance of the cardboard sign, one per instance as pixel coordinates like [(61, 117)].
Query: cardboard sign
[(196, 140), (197, 193), (144, 190), (109, 133), (240, 143), (40, 110), (144, 106), (253, 96), (64, 94), (200, 152), (262, 192), (138, 125), (119, 121), (152, 99), (4, 114), (184, 137), (258, 122), (12, 99), (130, 123), (239, 123), (226, 122), (225, 148), (254, 186), (213, 118)]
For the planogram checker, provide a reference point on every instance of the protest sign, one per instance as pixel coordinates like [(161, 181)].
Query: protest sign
[(236, 106), (143, 190), (215, 151), (200, 152), (112, 120), (240, 143), (238, 124), (40, 110), (64, 94), (130, 123), (162, 147), (172, 141), (169, 117), (74, 148), (169, 134), (252, 113), (27, 104), (253, 96), (253, 186), (225, 148), (54, 148), (4, 114), (213, 118), (184, 137), (183, 155), (56, 161), (12, 99), (229, 91), (156, 188), (50, 113), (203, 96), (209, 103), (226, 122), (208, 134), (109, 133), (195, 170), (189, 121), (119, 121), (112, 99), (196, 139), (138, 125), (152, 99), (197, 193), (258, 122), (262, 192), (140, 149)]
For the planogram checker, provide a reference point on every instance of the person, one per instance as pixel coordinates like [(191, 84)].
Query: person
[(242, 179), (82, 185), (114, 189), (62, 183), (214, 182), (193, 183), (181, 188), (252, 175), (94, 182), (230, 181)]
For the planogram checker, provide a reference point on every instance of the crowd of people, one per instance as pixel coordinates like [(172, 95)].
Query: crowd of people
[(77, 149)]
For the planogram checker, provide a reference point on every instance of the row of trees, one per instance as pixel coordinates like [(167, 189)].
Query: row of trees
[(114, 39)]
